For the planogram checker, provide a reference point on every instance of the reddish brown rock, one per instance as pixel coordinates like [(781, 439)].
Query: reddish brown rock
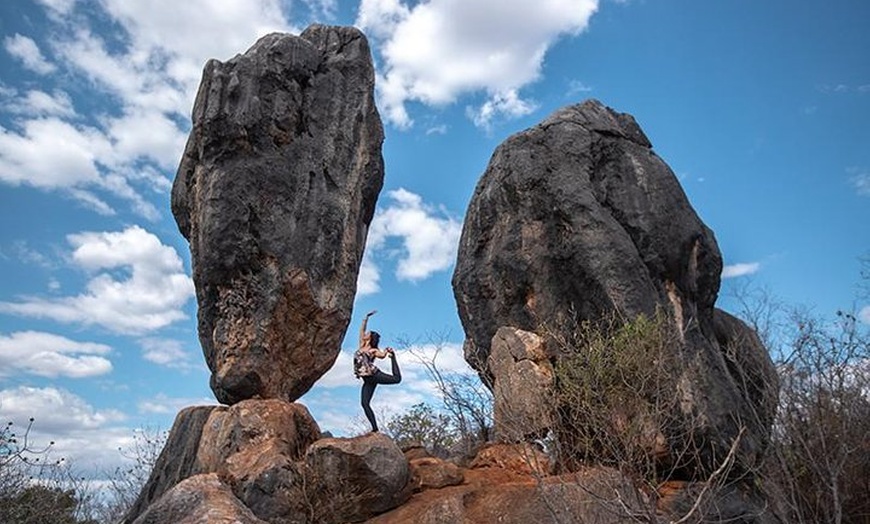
[(525, 459), (490, 495), (434, 473), (251, 424)]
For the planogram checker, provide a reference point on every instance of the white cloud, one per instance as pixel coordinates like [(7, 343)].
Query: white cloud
[(508, 104), (50, 355), (55, 410), (738, 270), (576, 87), (368, 278), (58, 7), (864, 314), (51, 153), (181, 35), (81, 434), (40, 103), (165, 352), (24, 253), (138, 284), (162, 404), (437, 130), (341, 372), (150, 71), (429, 241), (860, 179), (26, 50), (437, 50)]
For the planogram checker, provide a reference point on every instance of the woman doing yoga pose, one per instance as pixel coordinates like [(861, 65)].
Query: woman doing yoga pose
[(364, 367)]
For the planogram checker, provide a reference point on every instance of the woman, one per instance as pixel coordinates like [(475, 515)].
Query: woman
[(364, 367)]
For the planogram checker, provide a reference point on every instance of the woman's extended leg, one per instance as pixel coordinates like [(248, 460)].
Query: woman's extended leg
[(395, 378)]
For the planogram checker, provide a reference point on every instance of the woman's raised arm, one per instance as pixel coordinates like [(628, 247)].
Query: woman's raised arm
[(362, 329)]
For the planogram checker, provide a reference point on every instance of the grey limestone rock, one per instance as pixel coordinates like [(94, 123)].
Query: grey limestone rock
[(275, 193), (576, 219)]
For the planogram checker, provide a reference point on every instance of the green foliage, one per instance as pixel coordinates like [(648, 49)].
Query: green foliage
[(616, 393), (424, 426), (38, 504)]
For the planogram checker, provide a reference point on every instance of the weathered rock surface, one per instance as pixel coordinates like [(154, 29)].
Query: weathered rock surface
[(577, 218), (201, 499), (522, 401), (369, 472), (523, 458), (434, 473), (275, 193), (255, 446), (252, 423), (491, 495), (177, 460)]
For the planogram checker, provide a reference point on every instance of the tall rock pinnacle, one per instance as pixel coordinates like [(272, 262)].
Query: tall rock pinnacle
[(275, 193)]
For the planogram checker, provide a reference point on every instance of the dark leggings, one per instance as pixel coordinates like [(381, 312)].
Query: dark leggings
[(371, 382)]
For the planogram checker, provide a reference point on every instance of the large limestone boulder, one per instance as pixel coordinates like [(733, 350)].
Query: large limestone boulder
[(275, 193), (522, 395), (201, 499), (255, 446), (250, 424), (178, 459), (367, 474), (578, 219)]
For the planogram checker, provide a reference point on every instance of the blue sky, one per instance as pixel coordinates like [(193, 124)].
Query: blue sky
[(760, 108)]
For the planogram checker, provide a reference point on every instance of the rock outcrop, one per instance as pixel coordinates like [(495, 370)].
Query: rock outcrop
[(265, 460), (577, 219), (275, 193), (256, 447), (199, 499), (521, 396), (494, 494), (361, 476), (177, 461)]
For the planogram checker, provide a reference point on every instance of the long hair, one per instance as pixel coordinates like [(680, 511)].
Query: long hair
[(374, 339)]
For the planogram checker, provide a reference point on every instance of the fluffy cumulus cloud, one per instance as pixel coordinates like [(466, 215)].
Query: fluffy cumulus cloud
[(26, 50), (39, 103), (49, 355), (739, 270), (163, 404), (80, 433), (137, 284), (165, 352), (427, 240), (142, 76), (436, 50)]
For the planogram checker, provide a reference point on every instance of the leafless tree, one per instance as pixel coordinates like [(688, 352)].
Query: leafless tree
[(463, 396)]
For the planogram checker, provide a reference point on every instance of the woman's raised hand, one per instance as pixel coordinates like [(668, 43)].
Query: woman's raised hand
[(372, 312)]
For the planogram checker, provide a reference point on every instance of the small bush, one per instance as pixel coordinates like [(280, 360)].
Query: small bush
[(616, 395)]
